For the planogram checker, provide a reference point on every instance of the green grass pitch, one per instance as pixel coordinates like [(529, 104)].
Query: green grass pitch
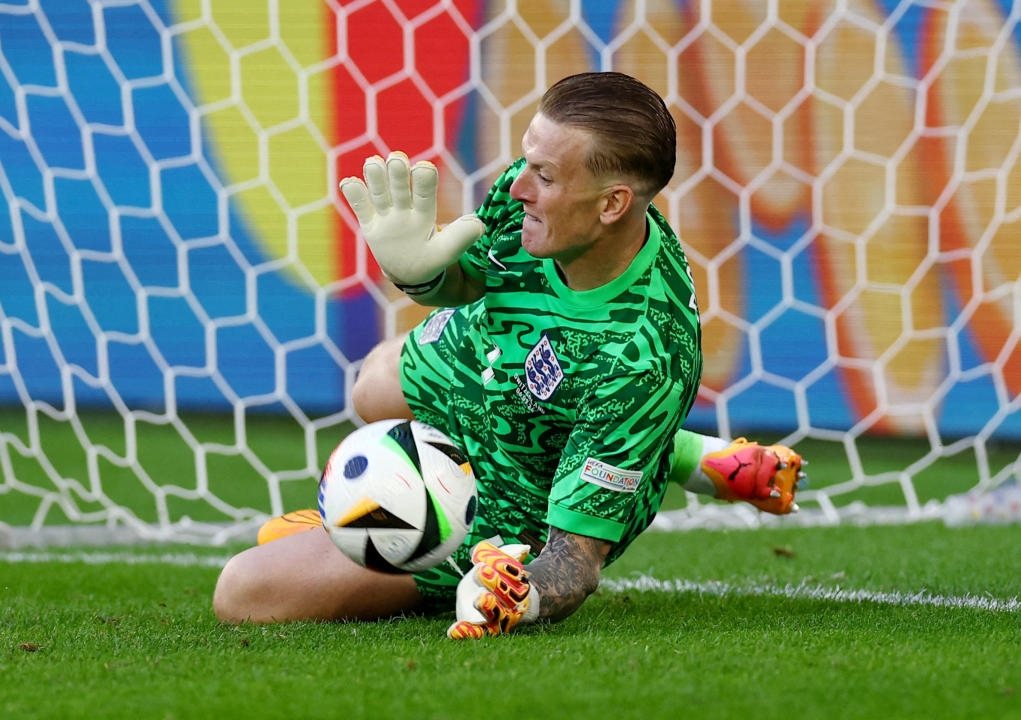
[(139, 640), (911, 621)]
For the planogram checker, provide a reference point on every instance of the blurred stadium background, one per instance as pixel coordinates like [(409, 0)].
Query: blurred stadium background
[(184, 301)]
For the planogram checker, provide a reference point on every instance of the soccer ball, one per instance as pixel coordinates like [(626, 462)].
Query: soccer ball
[(397, 496)]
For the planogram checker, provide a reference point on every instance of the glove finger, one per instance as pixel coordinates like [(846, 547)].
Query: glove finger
[(464, 630), (489, 605), (458, 236), (468, 592), (424, 181), (485, 550), (511, 590), (488, 554), (378, 183), (501, 618), (517, 550), (357, 196), (502, 573), (398, 169), (508, 570)]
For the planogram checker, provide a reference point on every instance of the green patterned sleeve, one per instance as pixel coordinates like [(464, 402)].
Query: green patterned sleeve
[(613, 472), (501, 214)]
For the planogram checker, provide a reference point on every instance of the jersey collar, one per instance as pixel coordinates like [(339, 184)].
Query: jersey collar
[(615, 287)]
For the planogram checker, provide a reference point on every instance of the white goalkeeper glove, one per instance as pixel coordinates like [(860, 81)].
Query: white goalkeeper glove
[(495, 595), (396, 208)]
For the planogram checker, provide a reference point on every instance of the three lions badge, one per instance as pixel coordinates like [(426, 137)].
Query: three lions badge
[(543, 373)]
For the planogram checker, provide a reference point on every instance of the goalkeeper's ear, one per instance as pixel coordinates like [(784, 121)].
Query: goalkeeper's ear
[(615, 203)]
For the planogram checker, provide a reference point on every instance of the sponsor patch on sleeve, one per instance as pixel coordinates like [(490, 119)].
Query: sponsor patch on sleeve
[(612, 478)]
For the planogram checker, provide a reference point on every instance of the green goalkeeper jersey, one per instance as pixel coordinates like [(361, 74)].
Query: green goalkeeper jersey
[(565, 401)]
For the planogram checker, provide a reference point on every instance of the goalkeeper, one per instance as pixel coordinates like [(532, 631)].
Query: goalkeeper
[(563, 360)]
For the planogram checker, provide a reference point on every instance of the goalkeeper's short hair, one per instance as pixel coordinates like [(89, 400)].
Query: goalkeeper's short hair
[(635, 135)]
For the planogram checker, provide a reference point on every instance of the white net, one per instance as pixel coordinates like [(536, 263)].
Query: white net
[(184, 302)]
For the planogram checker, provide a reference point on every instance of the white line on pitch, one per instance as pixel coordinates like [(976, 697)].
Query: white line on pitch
[(806, 591), (109, 558), (635, 583)]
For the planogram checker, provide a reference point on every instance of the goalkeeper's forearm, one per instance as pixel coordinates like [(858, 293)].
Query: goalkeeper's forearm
[(454, 288), (566, 572)]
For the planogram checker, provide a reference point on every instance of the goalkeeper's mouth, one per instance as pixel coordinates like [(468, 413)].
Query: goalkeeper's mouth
[(532, 235), (530, 227)]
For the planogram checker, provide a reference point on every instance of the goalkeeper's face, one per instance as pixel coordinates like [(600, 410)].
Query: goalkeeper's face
[(561, 197)]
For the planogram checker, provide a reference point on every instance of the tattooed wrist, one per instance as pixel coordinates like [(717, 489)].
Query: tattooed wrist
[(566, 572)]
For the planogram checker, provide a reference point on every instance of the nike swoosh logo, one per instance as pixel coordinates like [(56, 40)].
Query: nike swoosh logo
[(495, 261)]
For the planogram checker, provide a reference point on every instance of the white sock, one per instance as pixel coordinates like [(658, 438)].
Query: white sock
[(697, 481)]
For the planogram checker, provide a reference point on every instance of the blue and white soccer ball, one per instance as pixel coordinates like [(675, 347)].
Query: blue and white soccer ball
[(397, 496)]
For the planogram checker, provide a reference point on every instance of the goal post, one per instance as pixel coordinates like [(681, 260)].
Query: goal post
[(185, 300)]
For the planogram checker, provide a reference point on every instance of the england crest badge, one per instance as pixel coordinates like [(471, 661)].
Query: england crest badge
[(542, 370)]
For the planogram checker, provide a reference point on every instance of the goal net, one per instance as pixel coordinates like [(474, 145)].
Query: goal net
[(184, 300)]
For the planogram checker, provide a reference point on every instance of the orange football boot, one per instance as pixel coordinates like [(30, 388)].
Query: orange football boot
[(290, 523), (765, 476)]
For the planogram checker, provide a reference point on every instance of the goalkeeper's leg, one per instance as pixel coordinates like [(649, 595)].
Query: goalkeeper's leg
[(304, 577), (765, 476), (377, 392)]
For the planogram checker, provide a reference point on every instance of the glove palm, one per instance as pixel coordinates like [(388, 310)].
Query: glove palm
[(396, 209)]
